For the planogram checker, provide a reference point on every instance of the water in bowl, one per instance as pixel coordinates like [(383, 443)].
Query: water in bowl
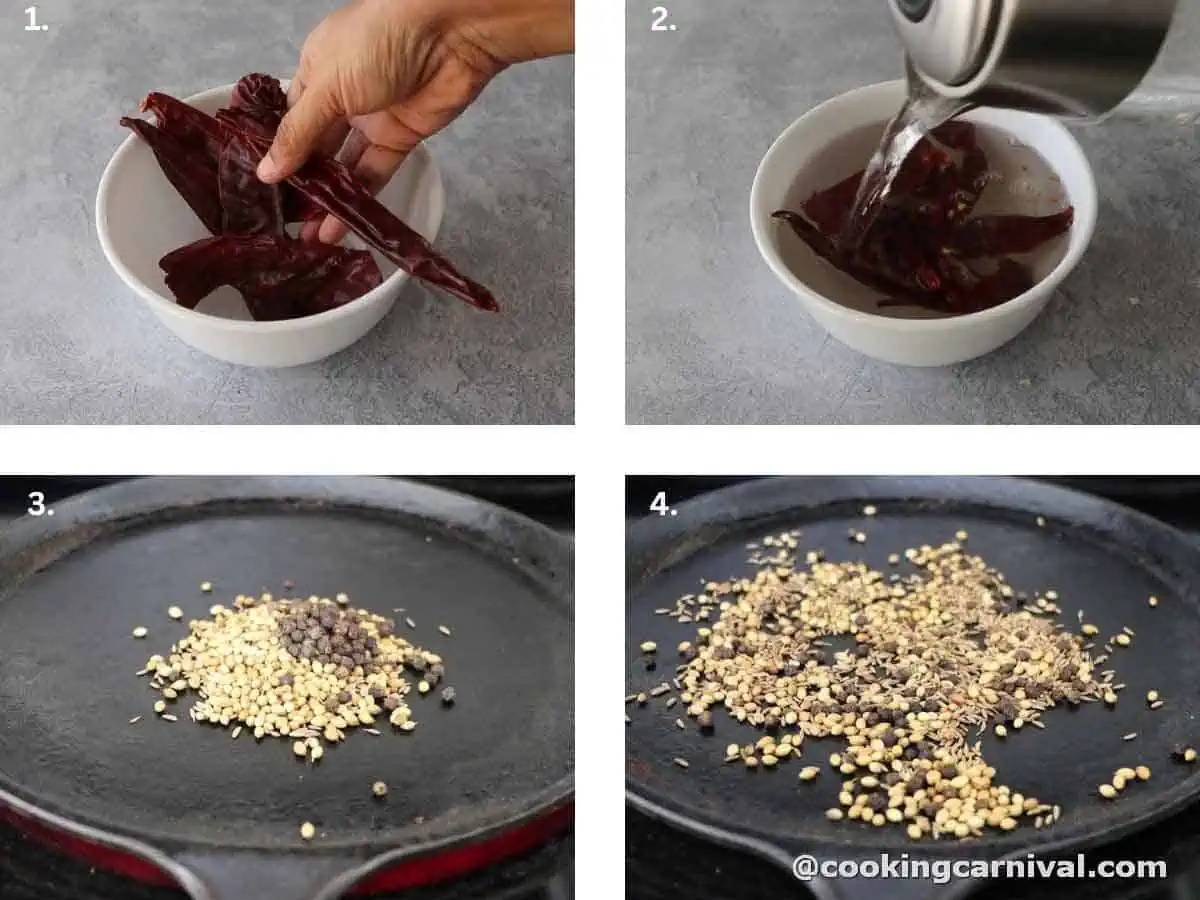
[(1024, 184), (923, 111)]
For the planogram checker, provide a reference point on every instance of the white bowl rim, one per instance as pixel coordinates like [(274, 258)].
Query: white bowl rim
[(1084, 226), (170, 307)]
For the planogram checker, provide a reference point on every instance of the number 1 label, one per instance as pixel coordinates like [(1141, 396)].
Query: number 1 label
[(33, 25)]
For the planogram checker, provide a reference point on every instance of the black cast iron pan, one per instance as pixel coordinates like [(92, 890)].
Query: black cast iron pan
[(1100, 557), (223, 816)]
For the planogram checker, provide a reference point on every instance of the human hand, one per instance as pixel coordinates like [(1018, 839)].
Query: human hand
[(380, 76)]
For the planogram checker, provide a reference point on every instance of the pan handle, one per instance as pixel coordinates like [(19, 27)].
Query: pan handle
[(897, 887), (249, 876)]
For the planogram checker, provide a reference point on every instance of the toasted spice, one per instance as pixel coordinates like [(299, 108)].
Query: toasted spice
[(140, 632), (379, 789), (938, 656), (308, 669), (308, 831)]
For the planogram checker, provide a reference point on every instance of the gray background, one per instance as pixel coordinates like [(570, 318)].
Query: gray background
[(76, 346), (712, 337)]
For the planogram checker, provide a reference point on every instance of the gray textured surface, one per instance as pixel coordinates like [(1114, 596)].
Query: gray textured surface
[(714, 338), (77, 347)]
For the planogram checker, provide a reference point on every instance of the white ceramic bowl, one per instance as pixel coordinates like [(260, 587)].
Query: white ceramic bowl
[(140, 218), (834, 140)]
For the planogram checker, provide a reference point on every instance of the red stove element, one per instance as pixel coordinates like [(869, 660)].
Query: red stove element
[(437, 867)]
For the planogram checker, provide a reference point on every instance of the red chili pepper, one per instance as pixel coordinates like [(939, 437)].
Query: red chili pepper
[(211, 161), (279, 277), (824, 247), (828, 209), (1002, 235), (193, 175)]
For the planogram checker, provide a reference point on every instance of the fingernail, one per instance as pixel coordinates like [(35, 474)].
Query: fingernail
[(267, 169)]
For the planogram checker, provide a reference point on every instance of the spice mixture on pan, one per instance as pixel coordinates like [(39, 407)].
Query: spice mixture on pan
[(306, 670), (938, 656)]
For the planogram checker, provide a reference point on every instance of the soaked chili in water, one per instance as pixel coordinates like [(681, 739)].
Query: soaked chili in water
[(924, 248)]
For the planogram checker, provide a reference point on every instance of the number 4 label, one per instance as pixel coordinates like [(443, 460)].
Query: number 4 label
[(660, 20), (659, 505), (33, 25)]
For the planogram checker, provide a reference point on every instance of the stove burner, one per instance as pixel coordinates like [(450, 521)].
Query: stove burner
[(33, 870)]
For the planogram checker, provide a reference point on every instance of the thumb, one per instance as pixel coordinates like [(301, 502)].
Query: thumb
[(299, 134)]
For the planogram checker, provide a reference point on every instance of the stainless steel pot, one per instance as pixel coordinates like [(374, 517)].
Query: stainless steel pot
[(1070, 58)]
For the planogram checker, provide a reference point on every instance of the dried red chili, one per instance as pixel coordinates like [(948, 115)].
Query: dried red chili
[(280, 278), (192, 174), (212, 160), (923, 249), (248, 205)]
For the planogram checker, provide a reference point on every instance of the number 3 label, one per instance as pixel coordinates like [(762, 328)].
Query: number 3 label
[(37, 504), (660, 19)]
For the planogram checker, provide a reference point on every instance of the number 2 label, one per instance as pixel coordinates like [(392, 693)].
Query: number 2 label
[(660, 21)]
